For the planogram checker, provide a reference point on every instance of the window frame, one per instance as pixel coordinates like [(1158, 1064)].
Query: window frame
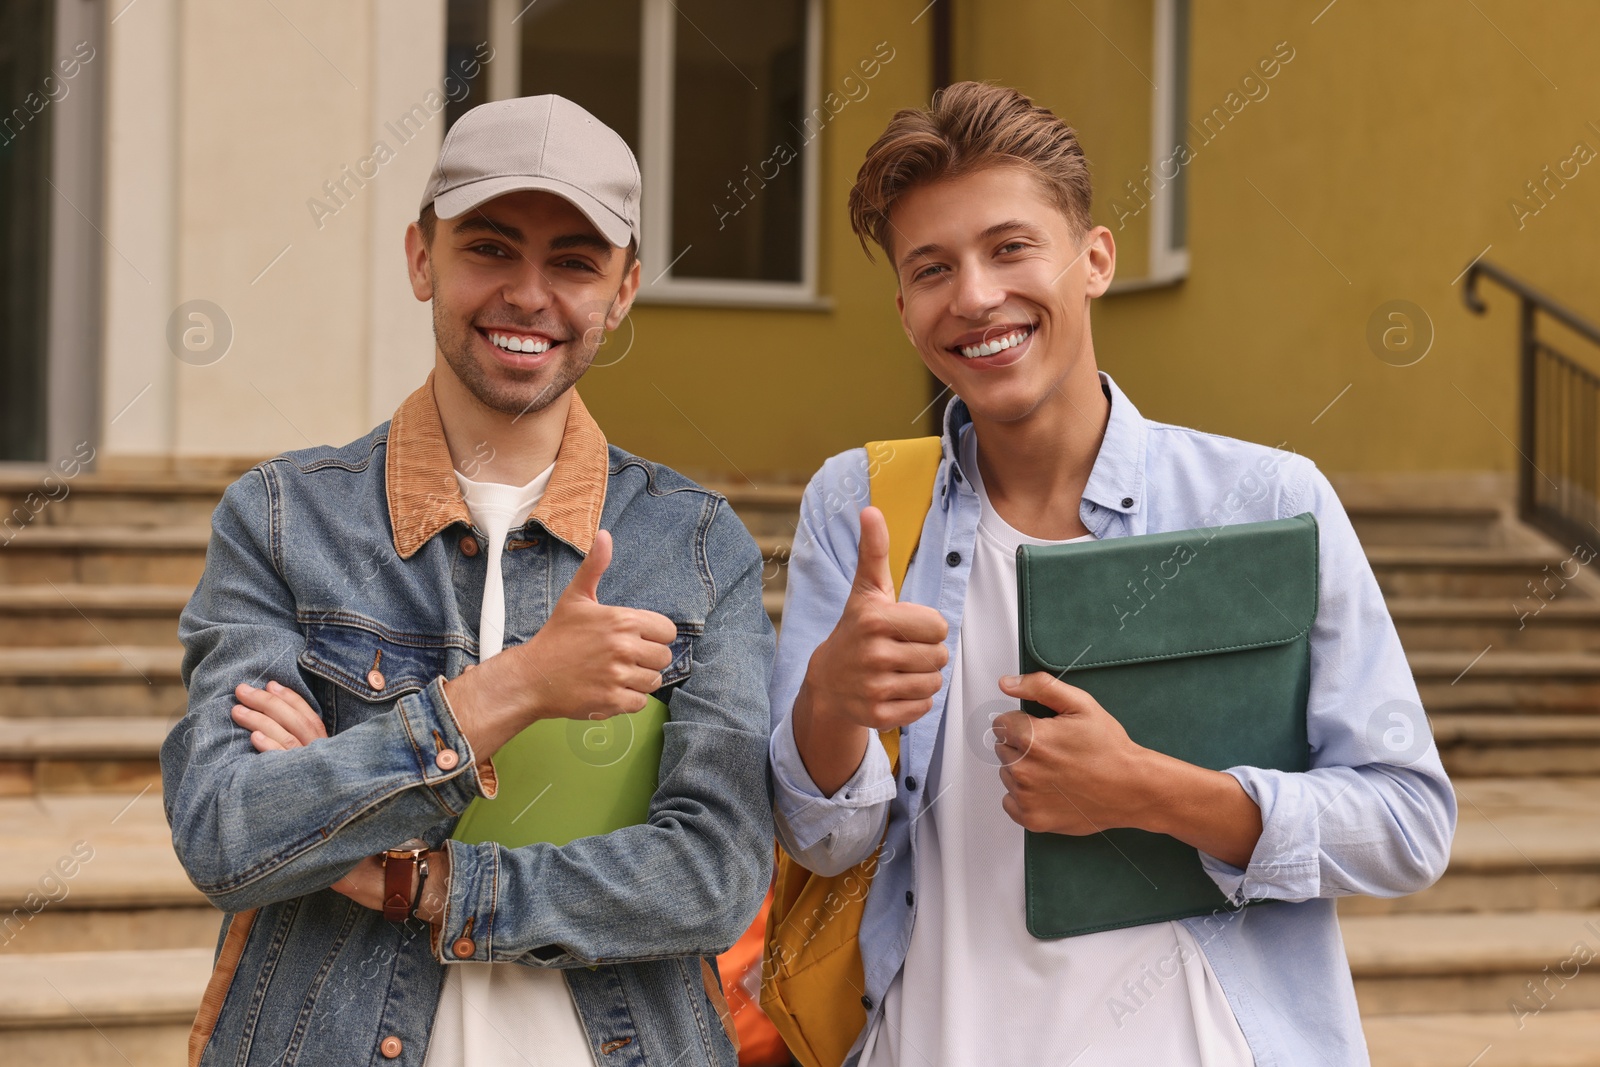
[(1168, 265), (657, 256), (1168, 261)]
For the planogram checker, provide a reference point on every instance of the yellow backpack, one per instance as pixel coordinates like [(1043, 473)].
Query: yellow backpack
[(812, 980)]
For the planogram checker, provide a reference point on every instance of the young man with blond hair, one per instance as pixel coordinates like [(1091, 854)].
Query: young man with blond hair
[(982, 206)]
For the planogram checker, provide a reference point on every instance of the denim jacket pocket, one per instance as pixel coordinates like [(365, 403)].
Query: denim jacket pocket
[(369, 665)]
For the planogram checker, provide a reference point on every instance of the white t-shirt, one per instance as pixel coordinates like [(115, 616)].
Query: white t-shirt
[(976, 987), (504, 1014)]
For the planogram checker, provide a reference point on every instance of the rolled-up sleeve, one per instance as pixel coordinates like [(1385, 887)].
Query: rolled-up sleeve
[(1375, 814), (815, 826)]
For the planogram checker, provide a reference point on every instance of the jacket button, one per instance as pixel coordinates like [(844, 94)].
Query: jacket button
[(464, 947), (1127, 501), (954, 559), (866, 1002), (469, 546), (390, 1047), (375, 679), (447, 759)]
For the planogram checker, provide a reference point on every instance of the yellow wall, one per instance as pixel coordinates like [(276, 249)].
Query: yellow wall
[(1394, 141), (771, 393), (1392, 144)]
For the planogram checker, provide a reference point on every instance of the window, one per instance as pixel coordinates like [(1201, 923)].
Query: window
[(50, 137), (715, 102), (24, 199)]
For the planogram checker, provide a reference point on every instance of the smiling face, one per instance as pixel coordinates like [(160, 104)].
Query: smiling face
[(995, 289), (524, 290)]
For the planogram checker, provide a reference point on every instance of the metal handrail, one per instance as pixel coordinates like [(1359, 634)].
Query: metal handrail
[(1556, 311), (1557, 517)]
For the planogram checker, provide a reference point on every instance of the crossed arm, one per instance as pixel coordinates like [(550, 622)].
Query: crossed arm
[(256, 825)]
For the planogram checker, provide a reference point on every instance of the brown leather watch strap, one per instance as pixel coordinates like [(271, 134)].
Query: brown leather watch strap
[(400, 879)]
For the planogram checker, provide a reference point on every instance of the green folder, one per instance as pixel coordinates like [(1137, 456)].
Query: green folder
[(562, 779), (1198, 641)]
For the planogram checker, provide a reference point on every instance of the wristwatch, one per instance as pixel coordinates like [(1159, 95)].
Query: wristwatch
[(400, 878)]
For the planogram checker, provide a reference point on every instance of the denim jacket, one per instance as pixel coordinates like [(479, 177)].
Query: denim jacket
[(354, 576), (1374, 815)]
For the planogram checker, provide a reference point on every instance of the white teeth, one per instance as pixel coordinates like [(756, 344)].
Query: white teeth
[(989, 348), (518, 344)]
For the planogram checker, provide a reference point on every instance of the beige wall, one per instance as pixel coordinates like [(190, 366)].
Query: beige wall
[(225, 121)]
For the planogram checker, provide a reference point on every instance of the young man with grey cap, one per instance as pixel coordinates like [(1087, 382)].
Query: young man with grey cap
[(335, 732)]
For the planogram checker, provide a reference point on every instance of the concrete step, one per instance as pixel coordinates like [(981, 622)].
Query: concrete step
[(1508, 680), (77, 614), (771, 510), (95, 872), (1443, 524), (1528, 624), (97, 754), (1521, 845), (107, 500), (1484, 1039), (120, 1009), (1503, 572), (123, 681), (1415, 964), (167, 500), (1497, 745), (106, 555)]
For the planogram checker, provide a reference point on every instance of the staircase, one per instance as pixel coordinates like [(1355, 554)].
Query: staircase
[(105, 964)]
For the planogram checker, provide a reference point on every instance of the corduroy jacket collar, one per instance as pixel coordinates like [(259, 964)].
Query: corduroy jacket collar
[(425, 498)]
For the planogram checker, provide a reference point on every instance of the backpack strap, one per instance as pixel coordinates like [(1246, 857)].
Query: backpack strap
[(901, 475)]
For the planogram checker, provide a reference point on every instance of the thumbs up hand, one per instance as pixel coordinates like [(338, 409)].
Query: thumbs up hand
[(588, 661), (881, 667), (591, 661)]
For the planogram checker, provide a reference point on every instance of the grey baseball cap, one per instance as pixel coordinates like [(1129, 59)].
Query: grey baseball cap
[(546, 143)]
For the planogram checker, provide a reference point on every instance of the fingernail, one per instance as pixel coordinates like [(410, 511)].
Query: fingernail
[(1011, 681), (274, 686), (247, 687)]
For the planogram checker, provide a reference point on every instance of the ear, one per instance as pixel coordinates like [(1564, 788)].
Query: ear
[(625, 296), (900, 306), (1102, 261), (417, 261)]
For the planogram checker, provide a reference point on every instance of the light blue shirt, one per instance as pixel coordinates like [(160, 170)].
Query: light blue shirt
[(1375, 815)]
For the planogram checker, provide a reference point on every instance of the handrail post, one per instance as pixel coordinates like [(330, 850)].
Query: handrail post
[(1527, 346)]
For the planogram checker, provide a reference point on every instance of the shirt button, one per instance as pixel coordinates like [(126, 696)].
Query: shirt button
[(464, 948), (391, 1047), (954, 559), (1127, 501), (447, 759), (375, 679), (866, 1002), (909, 898), (911, 782), (956, 473), (469, 546)]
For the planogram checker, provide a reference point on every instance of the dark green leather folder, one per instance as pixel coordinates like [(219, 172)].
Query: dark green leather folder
[(1198, 641)]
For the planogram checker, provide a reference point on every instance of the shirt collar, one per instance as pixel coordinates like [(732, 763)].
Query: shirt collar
[(424, 497), (1116, 481)]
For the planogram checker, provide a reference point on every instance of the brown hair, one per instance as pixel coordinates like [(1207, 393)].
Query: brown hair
[(969, 126)]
